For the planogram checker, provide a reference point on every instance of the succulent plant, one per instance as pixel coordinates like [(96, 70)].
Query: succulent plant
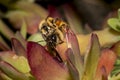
[(91, 56)]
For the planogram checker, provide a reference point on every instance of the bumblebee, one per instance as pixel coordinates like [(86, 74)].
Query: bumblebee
[(53, 32)]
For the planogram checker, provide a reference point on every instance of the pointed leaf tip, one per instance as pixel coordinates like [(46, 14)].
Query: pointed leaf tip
[(43, 66), (71, 64), (91, 58), (104, 73), (72, 43), (18, 47), (11, 72)]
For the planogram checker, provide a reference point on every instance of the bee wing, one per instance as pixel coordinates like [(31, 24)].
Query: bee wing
[(72, 43)]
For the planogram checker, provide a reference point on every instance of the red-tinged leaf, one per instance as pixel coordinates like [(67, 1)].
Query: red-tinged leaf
[(18, 48), (53, 12), (73, 19), (116, 48), (104, 73), (19, 62), (3, 45), (19, 36), (71, 63), (3, 76), (11, 72), (43, 66), (91, 58), (70, 56), (25, 19), (32, 23), (107, 59), (73, 44)]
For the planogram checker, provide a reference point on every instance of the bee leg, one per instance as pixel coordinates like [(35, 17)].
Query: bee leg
[(60, 37), (54, 53), (57, 56), (49, 21)]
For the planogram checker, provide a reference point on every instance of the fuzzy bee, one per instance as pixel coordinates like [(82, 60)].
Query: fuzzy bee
[(53, 32)]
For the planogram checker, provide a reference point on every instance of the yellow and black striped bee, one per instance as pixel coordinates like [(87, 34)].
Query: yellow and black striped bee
[(53, 31)]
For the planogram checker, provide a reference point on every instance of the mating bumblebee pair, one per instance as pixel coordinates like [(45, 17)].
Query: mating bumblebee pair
[(53, 32)]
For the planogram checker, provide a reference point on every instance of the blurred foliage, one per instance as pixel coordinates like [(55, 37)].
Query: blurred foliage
[(114, 23), (19, 22)]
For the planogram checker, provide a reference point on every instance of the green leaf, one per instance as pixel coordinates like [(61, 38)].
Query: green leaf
[(31, 7), (116, 69), (16, 17), (91, 59), (23, 30), (37, 37), (4, 29), (12, 72), (114, 23), (119, 14), (19, 62), (4, 76)]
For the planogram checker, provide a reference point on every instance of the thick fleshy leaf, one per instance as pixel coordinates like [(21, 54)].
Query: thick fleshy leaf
[(32, 23), (106, 37), (116, 48), (72, 19), (114, 23), (119, 14), (115, 77), (104, 74), (116, 69), (3, 44), (37, 37), (107, 59), (19, 36), (3, 47), (4, 76), (12, 72), (73, 44), (54, 12), (4, 29), (23, 30), (16, 17), (19, 62), (71, 66), (43, 66), (31, 20), (31, 7), (91, 59), (18, 48)]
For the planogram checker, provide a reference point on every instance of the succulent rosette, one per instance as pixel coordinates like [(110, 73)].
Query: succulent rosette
[(91, 56)]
